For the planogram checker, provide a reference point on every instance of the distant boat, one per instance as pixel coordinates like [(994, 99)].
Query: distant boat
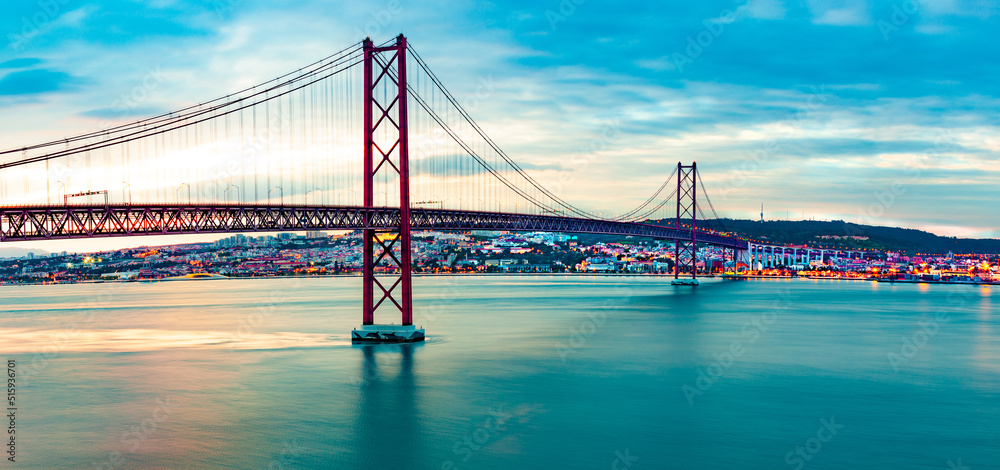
[(195, 277)]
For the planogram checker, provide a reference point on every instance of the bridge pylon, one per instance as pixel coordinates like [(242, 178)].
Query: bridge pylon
[(687, 207), (385, 70)]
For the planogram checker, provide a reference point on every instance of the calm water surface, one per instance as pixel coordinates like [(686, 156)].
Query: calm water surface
[(518, 372)]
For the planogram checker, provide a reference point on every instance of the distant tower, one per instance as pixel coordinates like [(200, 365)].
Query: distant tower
[(762, 212)]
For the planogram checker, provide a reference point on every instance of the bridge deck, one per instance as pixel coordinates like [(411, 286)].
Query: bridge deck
[(28, 223)]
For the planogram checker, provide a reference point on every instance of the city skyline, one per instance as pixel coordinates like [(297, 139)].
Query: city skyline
[(891, 138)]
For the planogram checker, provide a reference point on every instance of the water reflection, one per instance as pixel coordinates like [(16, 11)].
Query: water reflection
[(987, 344), (387, 424), (24, 340)]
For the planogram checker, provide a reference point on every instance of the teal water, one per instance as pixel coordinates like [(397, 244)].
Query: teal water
[(518, 372)]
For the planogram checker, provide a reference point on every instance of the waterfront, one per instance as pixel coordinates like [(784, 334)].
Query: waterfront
[(581, 371)]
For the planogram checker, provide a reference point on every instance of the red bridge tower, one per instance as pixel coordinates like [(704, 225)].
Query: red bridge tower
[(387, 154)]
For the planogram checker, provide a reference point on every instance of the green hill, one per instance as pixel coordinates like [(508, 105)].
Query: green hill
[(840, 234)]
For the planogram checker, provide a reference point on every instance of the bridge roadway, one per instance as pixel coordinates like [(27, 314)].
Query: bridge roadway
[(50, 222)]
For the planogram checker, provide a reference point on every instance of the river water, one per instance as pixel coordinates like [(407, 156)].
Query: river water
[(517, 372)]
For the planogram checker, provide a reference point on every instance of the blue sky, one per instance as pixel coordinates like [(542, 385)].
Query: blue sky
[(874, 112)]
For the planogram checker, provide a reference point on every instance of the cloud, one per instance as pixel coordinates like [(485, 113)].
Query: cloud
[(856, 86), (21, 63), (124, 112), (934, 29), (447, 164), (820, 147), (840, 13), (660, 64), (940, 6), (766, 9), (33, 82)]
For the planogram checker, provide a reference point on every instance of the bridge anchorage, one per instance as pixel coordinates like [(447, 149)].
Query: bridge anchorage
[(297, 135)]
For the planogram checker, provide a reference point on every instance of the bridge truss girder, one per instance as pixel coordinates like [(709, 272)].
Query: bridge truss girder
[(32, 223)]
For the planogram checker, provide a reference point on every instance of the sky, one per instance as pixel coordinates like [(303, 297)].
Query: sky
[(882, 113)]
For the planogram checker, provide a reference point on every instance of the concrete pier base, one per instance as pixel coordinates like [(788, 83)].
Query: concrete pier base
[(684, 282), (387, 334)]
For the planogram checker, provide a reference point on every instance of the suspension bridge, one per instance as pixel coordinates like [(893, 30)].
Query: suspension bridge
[(364, 139)]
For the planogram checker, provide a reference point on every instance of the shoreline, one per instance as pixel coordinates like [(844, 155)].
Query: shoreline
[(118, 281), (738, 277), (886, 281)]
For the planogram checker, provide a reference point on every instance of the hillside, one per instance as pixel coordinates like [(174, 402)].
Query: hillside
[(18, 252), (842, 234)]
